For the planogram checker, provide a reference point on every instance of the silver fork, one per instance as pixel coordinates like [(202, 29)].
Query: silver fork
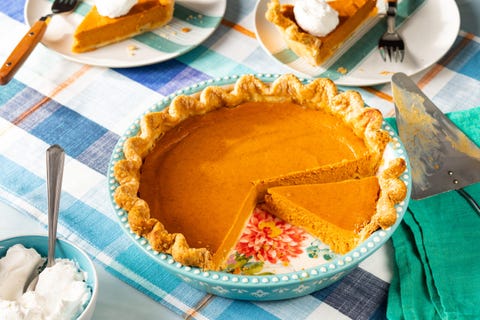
[(33, 36), (391, 43)]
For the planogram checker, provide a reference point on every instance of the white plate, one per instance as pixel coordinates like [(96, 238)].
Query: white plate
[(429, 32), (201, 17)]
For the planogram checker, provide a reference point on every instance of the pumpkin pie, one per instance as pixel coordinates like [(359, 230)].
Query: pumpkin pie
[(97, 31), (316, 50), (195, 171)]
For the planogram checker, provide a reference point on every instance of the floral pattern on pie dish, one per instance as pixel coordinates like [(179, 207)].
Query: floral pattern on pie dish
[(306, 267), (270, 245)]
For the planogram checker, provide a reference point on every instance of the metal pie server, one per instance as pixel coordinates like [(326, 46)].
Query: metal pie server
[(442, 157)]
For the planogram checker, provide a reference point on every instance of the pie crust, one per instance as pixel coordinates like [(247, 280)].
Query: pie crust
[(246, 97)]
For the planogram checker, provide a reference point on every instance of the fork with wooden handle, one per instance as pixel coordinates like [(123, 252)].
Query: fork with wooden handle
[(30, 40)]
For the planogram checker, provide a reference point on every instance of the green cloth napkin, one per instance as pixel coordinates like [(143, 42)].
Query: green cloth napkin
[(437, 250)]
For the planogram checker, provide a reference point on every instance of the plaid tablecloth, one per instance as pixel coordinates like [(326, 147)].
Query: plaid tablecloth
[(86, 109)]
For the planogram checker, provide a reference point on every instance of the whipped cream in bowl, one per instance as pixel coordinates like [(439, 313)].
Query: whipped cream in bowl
[(316, 17), (65, 291), (114, 8)]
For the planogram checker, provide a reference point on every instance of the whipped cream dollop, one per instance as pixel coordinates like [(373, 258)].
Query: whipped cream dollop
[(114, 8), (316, 17), (15, 267), (61, 292)]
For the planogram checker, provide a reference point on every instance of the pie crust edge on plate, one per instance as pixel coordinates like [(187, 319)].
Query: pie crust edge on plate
[(321, 93)]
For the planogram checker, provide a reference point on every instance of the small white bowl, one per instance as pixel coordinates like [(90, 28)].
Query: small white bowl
[(66, 250)]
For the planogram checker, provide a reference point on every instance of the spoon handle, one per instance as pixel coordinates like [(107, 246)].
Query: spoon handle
[(55, 161)]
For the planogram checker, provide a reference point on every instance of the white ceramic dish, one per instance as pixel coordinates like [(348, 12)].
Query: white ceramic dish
[(66, 250), (200, 17), (429, 33), (315, 268)]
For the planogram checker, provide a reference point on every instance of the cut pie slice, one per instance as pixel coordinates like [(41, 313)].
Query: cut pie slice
[(96, 30), (316, 50), (333, 212), (195, 171), (344, 213)]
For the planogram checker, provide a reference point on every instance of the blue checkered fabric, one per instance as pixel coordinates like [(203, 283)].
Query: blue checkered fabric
[(86, 109)]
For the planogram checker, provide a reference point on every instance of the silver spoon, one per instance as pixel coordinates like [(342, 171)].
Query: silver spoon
[(55, 160)]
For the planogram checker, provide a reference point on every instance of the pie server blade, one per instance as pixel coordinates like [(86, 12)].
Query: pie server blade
[(442, 157)]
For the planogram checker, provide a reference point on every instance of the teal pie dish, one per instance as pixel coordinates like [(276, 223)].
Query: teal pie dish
[(315, 267)]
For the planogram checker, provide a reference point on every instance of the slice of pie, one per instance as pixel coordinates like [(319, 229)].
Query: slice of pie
[(341, 214), (97, 31), (194, 173), (316, 50)]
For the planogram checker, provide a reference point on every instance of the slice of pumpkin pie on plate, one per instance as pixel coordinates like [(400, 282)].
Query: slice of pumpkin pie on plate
[(316, 29), (112, 21)]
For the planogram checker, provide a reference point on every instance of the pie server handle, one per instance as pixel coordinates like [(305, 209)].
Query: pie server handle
[(470, 200), (23, 50)]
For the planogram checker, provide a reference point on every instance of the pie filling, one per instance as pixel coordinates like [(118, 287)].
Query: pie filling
[(97, 31), (194, 173), (206, 166)]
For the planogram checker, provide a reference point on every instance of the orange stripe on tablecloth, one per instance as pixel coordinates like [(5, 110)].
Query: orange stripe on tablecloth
[(427, 77), (55, 91), (379, 94), (382, 95), (390, 114), (192, 312), (239, 28), (445, 60)]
